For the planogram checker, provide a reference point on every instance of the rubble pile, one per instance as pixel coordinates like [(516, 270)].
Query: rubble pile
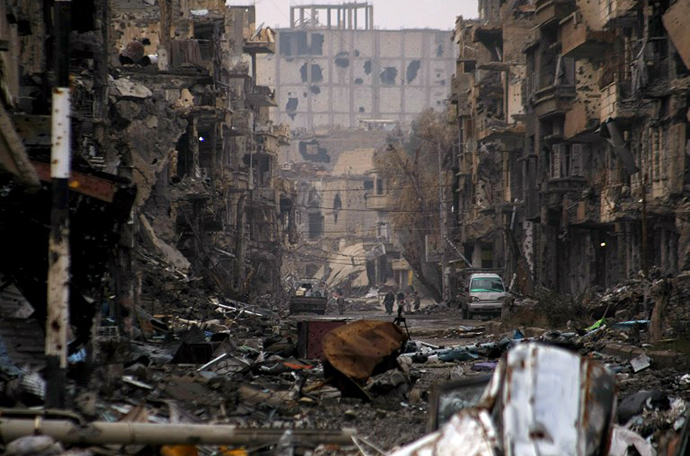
[(244, 366)]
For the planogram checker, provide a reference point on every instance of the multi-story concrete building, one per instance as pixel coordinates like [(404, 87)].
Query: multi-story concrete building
[(173, 153), (333, 68), (594, 189)]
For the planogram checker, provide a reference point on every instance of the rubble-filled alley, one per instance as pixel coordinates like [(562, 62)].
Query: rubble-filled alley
[(224, 238)]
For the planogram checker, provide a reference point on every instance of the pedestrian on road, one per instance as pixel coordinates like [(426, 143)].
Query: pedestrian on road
[(416, 300), (389, 301), (340, 300), (401, 301)]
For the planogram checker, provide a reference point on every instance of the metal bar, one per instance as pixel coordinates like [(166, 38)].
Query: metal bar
[(124, 433), (93, 186), (58, 248)]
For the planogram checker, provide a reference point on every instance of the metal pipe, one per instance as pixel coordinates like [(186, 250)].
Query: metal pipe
[(101, 433), (58, 244)]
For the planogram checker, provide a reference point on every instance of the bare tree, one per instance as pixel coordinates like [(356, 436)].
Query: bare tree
[(410, 166)]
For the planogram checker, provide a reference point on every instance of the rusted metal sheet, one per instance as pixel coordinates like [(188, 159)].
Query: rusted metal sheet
[(469, 433), (357, 348), (311, 334), (93, 186)]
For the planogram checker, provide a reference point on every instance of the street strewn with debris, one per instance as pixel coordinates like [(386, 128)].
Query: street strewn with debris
[(232, 377), (467, 236)]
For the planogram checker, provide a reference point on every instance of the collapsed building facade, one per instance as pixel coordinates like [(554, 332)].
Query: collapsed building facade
[(173, 161), (342, 215), (343, 85), (573, 157)]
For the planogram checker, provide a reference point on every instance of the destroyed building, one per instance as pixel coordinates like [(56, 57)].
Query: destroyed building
[(573, 152), (343, 216), (332, 67), (174, 159)]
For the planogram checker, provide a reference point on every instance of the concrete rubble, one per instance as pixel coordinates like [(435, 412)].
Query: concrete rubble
[(243, 367)]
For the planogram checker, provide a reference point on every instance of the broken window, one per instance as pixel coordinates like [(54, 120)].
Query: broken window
[(567, 160), (263, 170), (382, 230), (203, 33), (315, 225), (379, 186), (368, 185), (337, 205)]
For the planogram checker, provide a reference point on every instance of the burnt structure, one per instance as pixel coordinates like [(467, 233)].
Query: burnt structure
[(573, 152), (173, 153)]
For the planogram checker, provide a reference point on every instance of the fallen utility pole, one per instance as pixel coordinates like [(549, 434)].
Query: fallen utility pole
[(58, 246), (101, 433)]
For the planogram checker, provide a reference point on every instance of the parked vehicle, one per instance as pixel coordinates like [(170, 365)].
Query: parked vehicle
[(482, 293), (310, 297)]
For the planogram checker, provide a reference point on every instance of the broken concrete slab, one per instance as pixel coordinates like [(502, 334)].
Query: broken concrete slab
[(127, 88)]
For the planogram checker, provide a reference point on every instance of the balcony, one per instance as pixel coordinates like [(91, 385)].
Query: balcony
[(570, 184), (191, 55), (267, 142), (582, 118), (553, 100), (616, 12), (488, 84), (267, 194), (261, 96), (617, 102), (238, 123), (282, 132), (584, 214), (490, 130), (578, 40), (261, 42), (377, 202), (549, 12)]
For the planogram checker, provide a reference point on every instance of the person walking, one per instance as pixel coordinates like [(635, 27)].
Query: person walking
[(416, 300), (388, 302), (401, 302), (340, 300)]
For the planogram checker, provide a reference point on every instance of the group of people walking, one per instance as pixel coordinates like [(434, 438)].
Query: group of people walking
[(404, 305)]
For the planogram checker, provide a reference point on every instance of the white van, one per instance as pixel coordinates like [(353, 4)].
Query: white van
[(483, 294)]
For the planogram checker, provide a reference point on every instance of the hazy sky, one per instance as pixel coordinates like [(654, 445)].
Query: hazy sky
[(388, 14)]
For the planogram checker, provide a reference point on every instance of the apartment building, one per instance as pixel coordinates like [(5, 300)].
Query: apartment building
[(594, 190)]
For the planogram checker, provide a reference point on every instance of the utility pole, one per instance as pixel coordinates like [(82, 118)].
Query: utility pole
[(442, 221), (58, 248), (645, 260)]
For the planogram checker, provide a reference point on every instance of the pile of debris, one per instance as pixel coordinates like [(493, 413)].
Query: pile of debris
[(343, 387)]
